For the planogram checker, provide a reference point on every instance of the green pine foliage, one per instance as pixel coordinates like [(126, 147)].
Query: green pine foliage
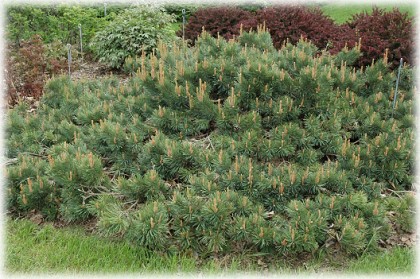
[(223, 147)]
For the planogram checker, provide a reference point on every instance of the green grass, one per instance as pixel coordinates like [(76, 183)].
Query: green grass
[(45, 249), (34, 249), (398, 260), (341, 13)]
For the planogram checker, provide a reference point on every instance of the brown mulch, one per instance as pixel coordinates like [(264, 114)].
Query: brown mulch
[(82, 71), (91, 70)]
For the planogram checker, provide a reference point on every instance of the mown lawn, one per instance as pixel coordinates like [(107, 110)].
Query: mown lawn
[(342, 13), (32, 249)]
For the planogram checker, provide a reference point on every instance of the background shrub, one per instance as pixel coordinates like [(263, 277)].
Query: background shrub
[(283, 22), (378, 31), (56, 23), (130, 32), (293, 22), (30, 65), (176, 10), (217, 20), (383, 30)]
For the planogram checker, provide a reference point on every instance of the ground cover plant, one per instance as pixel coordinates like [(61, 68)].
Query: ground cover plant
[(223, 147)]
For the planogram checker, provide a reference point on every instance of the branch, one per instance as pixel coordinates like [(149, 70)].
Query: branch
[(212, 147), (11, 161)]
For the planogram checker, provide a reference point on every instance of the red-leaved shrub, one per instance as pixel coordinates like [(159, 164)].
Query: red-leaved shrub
[(378, 31), (293, 22), (27, 69), (381, 30), (217, 20), (284, 23)]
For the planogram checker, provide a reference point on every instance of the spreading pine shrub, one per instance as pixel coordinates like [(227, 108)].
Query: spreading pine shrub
[(130, 32), (223, 147), (383, 30)]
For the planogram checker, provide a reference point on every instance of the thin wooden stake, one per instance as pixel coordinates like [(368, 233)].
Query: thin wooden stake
[(183, 24), (396, 87), (81, 43), (69, 57)]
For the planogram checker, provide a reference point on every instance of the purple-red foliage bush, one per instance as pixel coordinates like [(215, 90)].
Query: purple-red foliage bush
[(218, 20), (381, 30), (293, 22), (283, 22), (30, 67), (378, 31), (27, 69)]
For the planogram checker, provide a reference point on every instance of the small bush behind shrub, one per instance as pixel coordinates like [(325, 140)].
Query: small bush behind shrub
[(133, 30), (378, 31), (293, 22), (283, 22), (383, 30), (217, 20), (176, 9), (29, 67), (56, 23)]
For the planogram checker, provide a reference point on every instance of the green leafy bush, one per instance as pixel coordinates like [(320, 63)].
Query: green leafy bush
[(56, 23), (176, 9), (221, 148), (37, 38), (132, 31)]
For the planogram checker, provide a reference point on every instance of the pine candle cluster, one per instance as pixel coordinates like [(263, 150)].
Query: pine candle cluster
[(222, 147)]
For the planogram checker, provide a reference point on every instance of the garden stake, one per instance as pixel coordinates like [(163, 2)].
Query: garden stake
[(81, 45), (183, 24), (69, 57), (105, 9), (396, 88)]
